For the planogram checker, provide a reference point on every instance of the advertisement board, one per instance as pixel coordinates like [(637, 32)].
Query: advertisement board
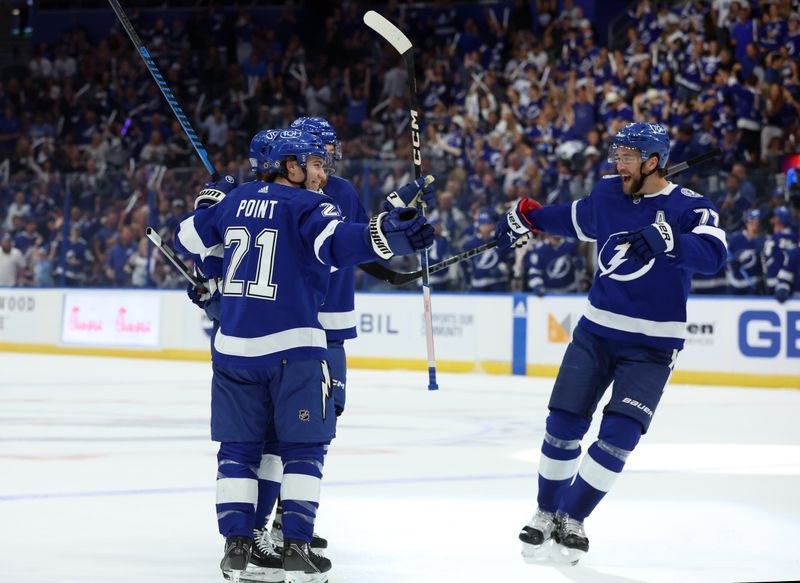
[(729, 341), (111, 319)]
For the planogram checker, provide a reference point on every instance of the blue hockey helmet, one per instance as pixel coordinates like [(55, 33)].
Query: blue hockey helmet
[(321, 127), (783, 214), (259, 147), (752, 215), (649, 138), (293, 143)]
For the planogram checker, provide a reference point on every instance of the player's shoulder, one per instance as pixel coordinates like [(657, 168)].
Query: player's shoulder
[(688, 198), (337, 187), (610, 183)]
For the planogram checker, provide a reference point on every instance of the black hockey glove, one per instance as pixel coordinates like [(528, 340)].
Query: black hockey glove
[(651, 241)]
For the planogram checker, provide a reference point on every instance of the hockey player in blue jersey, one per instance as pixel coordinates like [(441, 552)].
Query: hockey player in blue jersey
[(278, 241), (788, 276), (651, 235), (777, 245), (745, 248), (488, 271), (554, 266), (337, 314)]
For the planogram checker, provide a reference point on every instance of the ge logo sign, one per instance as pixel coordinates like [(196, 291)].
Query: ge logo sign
[(762, 333)]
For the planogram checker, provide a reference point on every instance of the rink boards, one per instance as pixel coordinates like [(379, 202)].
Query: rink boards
[(729, 341)]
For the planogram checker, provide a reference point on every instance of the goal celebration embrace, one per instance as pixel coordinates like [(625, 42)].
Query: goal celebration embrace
[(346, 291)]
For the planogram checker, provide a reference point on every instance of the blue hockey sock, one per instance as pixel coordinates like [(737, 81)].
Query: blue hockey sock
[(561, 449), (270, 474), (302, 478), (601, 465), (237, 488)]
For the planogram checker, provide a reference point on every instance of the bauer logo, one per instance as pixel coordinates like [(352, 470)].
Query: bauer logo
[(767, 334)]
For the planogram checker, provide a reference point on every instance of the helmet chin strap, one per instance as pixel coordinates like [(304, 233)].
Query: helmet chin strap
[(642, 177), (297, 184)]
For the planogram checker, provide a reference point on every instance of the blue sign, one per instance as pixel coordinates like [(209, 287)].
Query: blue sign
[(762, 333)]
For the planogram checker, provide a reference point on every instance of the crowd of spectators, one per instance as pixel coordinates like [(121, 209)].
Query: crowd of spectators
[(519, 101)]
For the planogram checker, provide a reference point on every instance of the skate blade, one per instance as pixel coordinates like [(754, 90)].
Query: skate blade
[(565, 555), (233, 575), (298, 577), (536, 554), (262, 575)]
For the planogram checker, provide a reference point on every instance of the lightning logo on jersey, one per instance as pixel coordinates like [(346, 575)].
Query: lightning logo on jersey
[(326, 386), (612, 258)]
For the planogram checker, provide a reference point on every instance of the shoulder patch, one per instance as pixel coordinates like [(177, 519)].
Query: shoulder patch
[(690, 193), (329, 210)]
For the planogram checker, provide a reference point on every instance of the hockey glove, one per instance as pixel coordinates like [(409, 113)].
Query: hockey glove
[(651, 241), (413, 194), (214, 191), (515, 227), (399, 232), (201, 296), (781, 293)]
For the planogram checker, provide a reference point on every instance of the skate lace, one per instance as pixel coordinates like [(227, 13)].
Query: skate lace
[(264, 541), (542, 519), (572, 526)]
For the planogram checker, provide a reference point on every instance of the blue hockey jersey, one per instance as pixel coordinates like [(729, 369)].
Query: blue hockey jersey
[(554, 267), (775, 248), (629, 300), (486, 271), (745, 268), (789, 275), (338, 315), (277, 245)]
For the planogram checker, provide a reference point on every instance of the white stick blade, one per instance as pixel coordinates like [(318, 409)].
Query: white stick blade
[(387, 30)]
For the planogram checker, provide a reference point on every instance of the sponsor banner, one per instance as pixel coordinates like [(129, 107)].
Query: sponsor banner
[(465, 328), (729, 335), (26, 315), (111, 319)]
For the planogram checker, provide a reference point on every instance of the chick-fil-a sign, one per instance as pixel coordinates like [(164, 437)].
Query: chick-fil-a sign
[(111, 319)]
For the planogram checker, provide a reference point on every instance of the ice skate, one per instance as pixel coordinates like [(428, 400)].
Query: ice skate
[(237, 555), (266, 564), (302, 565), (318, 544), (571, 540), (536, 536)]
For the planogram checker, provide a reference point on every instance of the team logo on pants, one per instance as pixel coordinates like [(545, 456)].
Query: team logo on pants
[(304, 415)]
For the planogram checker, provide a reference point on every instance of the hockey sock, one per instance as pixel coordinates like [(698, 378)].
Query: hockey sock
[(601, 465), (237, 488), (302, 477), (270, 473), (561, 450)]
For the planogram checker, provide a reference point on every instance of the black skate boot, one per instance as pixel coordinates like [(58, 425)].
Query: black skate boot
[(571, 539), (302, 565), (317, 542), (536, 536), (266, 564), (237, 555)]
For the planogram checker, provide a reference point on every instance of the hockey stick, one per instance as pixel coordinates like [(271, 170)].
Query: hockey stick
[(173, 257), (402, 45), (187, 128), (165, 90), (398, 278)]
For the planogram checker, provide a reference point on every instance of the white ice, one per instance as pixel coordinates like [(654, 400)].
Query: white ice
[(108, 475)]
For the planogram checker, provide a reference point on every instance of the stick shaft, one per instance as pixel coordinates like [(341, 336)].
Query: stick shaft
[(165, 90)]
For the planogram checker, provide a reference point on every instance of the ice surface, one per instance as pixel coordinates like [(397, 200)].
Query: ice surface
[(108, 475)]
